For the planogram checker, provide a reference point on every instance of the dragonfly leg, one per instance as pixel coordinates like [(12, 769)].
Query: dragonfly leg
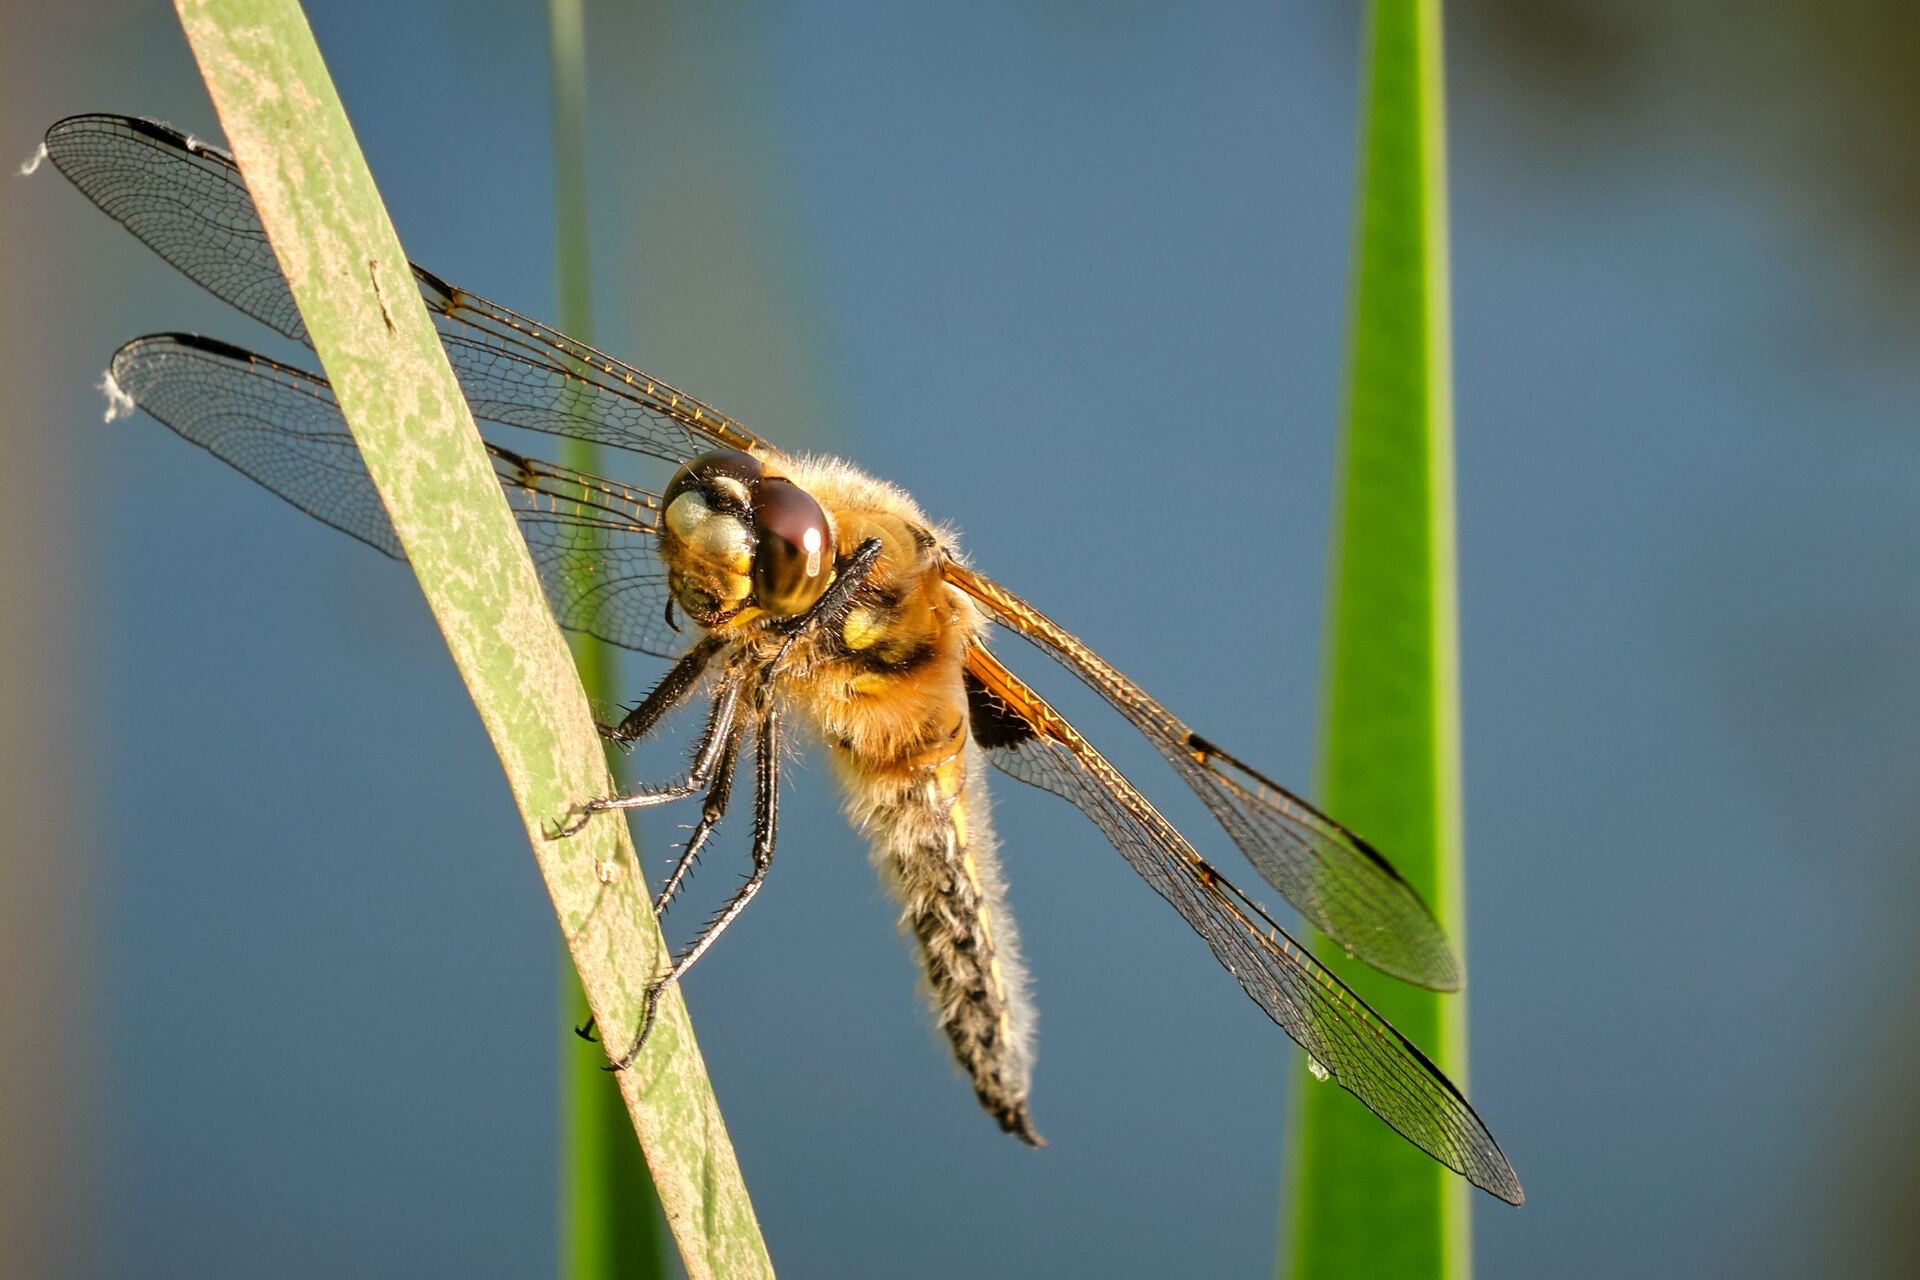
[(851, 577), (712, 810), (766, 810), (766, 817), (668, 694), (718, 796), (706, 757)]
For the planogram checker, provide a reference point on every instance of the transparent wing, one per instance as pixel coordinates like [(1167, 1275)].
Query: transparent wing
[(1028, 740), (189, 204), (593, 540), (1332, 877)]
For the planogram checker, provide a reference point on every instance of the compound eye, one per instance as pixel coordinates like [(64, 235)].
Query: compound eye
[(793, 559), (724, 477)]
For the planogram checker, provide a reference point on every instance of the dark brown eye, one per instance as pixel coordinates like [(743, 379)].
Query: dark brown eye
[(793, 558), (724, 477)]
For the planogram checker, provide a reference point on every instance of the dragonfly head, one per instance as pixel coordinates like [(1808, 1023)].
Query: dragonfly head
[(738, 536)]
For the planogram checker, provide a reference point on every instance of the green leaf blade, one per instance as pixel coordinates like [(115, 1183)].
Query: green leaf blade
[(344, 264), (1365, 1202)]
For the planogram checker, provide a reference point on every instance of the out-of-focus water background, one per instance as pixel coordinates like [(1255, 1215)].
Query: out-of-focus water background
[(278, 977)]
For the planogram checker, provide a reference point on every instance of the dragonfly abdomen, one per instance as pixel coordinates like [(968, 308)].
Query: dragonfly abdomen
[(934, 845)]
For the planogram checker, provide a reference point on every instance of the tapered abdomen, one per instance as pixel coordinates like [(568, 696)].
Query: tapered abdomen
[(933, 842)]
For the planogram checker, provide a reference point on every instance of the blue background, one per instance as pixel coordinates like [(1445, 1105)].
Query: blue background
[(282, 992)]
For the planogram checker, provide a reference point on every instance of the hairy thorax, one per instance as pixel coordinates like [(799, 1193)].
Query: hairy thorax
[(882, 686)]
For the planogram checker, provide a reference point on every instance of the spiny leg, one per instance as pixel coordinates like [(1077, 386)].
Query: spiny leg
[(706, 756), (674, 687), (712, 810), (668, 694), (720, 793), (852, 576), (717, 753), (766, 823)]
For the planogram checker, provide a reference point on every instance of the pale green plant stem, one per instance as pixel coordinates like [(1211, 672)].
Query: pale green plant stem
[(343, 260)]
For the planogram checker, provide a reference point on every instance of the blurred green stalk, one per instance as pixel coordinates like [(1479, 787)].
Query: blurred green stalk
[(1365, 1202), (609, 1210)]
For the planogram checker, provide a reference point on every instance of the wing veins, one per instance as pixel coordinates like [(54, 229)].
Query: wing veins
[(593, 540), (1339, 882), (1358, 1047), (189, 203)]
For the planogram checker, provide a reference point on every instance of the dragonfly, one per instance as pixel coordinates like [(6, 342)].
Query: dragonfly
[(785, 590)]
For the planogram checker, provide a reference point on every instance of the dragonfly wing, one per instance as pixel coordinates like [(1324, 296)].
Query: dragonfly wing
[(189, 203), (1028, 740), (593, 541), (1335, 879), (186, 201), (521, 373)]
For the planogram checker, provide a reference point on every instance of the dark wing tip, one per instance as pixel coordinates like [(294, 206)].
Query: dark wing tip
[(90, 123)]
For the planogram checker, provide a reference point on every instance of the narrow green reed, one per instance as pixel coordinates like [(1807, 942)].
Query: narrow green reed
[(609, 1210), (343, 261), (1364, 1201)]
